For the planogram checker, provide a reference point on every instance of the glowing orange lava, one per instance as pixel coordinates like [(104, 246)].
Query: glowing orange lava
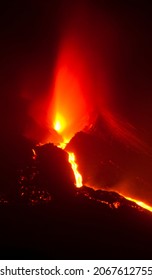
[(58, 126), (74, 166), (140, 203)]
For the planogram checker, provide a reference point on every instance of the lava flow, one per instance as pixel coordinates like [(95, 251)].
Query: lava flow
[(74, 166), (78, 176), (140, 203)]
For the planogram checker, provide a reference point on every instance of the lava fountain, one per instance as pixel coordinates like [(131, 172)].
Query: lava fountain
[(69, 110)]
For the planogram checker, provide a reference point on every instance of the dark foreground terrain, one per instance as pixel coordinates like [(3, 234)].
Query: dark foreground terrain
[(79, 228), (46, 217)]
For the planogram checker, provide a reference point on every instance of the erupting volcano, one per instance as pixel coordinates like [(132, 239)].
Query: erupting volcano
[(76, 131), (71, 111)]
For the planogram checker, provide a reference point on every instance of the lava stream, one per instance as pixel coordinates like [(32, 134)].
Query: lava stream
[(58, 126), (79, 180), (74, 166), (78, 176), (140, 203)]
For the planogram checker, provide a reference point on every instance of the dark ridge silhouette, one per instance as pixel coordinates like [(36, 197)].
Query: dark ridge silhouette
[(98, 158), (106, 162), (54, 170)]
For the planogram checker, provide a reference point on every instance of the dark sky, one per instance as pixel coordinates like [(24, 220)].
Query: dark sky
[(30, 33)]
